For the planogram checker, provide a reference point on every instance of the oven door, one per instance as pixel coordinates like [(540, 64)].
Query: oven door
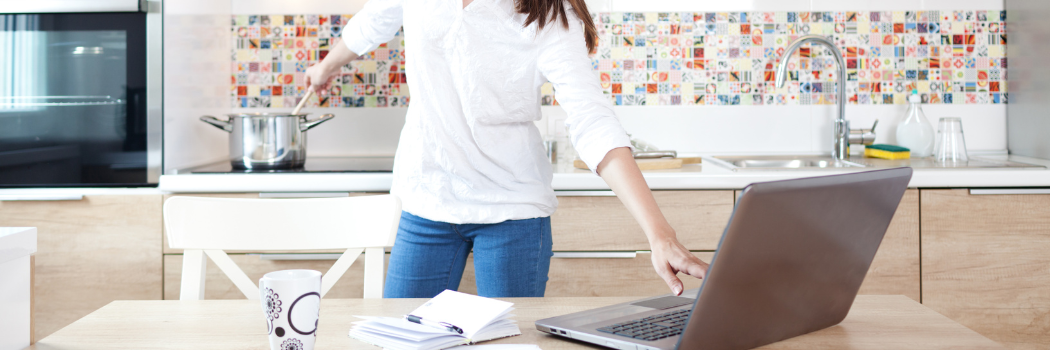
[(74, 99)]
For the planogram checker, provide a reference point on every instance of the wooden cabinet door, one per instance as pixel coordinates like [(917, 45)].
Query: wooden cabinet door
[(218, 286), (986, 263), (599, 277), (90, 252), (895, 269), (590, 223)]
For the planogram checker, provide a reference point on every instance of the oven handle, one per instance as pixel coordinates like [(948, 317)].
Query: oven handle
[(59, 101), (40, 197), (52, 6)]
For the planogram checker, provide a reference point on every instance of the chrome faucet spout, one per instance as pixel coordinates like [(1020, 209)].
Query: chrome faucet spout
[(841, 125)]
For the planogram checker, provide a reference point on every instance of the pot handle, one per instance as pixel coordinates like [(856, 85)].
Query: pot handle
[(307, 125), (221, 124)]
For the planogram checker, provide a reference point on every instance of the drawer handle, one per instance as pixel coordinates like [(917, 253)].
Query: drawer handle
[(303, 194), (276, 257), (1010, 191), (595, 255), (602, 193), (41, 197)]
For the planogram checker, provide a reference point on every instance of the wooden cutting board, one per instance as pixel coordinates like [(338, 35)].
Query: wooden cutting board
[(652, 164), (691, 160)]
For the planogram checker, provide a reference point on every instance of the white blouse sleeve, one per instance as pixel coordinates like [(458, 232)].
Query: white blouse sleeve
[(376, 23), (563, 60)]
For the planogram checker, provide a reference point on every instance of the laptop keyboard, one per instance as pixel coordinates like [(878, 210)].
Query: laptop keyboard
[(651, 328)]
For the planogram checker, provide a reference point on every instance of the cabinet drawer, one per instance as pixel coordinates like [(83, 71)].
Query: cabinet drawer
[(90, 252), (895, 269), (986, 263), (218, 286), (168, 250), (588, 223), (599, 277)]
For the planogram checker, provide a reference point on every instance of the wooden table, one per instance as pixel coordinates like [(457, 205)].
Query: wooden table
[(875, 322)]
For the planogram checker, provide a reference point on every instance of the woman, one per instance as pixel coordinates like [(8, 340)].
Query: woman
[(471, 168)]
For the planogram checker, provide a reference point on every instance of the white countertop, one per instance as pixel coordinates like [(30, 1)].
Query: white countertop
[(16, 242), (690, 177)]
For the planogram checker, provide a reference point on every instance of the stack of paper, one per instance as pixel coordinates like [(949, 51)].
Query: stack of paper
[(479, 318)]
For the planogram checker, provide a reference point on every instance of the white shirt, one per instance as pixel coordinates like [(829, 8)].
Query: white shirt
[(470, 151)]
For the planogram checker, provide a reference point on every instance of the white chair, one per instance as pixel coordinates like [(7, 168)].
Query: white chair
[(208, 226)]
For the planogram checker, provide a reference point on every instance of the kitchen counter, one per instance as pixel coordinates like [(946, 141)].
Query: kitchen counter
[(566, 178), (16, 242)]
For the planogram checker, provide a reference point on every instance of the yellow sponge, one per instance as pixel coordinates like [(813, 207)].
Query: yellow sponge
[(887, 152)]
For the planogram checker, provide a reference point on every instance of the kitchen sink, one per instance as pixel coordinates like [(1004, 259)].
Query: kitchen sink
[(826, 162), (743, 163)]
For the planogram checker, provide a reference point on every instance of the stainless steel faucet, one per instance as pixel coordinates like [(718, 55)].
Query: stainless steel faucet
[(841, 131)]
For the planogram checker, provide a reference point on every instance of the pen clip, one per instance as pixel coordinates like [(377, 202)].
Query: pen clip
[(452, 327)]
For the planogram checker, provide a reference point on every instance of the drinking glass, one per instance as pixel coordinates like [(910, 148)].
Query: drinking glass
[(950, 145)]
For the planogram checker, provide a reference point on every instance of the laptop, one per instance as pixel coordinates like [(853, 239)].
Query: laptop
[(790, 262)]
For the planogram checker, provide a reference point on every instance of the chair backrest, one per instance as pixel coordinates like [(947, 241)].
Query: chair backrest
[(205, 227)]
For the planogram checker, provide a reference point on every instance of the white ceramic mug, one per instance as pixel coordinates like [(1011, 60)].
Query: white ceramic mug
[(291, 300)]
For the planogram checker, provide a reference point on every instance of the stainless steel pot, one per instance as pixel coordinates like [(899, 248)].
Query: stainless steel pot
[(267, 141)]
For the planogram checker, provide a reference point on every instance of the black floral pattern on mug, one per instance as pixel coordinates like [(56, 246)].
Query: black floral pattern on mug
[(292, 344), (273, 305)]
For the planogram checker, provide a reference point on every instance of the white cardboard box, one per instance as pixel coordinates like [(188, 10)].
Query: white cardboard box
[(16, 245)]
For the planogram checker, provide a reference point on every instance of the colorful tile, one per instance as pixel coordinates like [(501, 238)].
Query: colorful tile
[(718, 58), (271, 52), (949, 56)]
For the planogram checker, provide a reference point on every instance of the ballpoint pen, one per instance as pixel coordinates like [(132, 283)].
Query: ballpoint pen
[(442, 325)]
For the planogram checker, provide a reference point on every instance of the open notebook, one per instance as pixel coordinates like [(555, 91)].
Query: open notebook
[(479, 318)]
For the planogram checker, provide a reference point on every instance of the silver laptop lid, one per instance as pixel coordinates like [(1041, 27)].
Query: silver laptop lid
[(793, 258)]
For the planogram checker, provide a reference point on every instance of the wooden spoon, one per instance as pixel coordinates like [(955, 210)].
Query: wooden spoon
[(303, 102)]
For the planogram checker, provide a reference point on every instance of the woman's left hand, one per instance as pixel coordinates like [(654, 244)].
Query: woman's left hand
[(670, 258)]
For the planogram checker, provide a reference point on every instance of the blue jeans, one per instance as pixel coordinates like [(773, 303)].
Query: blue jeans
[(511, 258)]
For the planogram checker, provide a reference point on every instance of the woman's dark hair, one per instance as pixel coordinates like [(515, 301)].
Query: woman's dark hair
[(546, 11)]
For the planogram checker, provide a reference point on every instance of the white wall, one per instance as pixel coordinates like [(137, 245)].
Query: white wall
[(197, 72), (788, 129), (196, 80)]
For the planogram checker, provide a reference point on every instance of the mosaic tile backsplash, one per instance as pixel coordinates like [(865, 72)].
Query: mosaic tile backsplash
[(724, 58), (271, 53)]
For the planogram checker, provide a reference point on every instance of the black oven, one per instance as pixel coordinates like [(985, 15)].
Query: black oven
[(80, 96)]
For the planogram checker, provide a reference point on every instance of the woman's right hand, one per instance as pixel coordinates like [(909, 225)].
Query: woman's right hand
[(319, 76)]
